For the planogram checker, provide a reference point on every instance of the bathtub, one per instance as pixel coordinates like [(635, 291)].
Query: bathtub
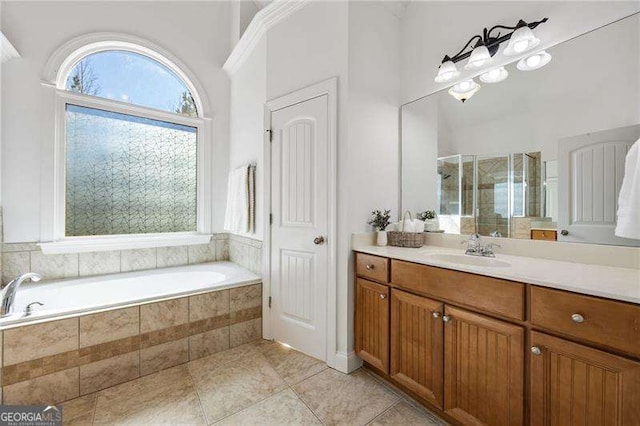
[(77, 296)]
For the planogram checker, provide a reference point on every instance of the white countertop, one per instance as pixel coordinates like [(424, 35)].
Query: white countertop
[(604, 281)]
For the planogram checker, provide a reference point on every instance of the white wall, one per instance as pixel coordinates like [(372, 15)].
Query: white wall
[(195, 32), (246, 128), (432, 29), (371, 164)]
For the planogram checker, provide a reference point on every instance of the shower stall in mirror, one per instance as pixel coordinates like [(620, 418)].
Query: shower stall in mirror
[(497, 195)]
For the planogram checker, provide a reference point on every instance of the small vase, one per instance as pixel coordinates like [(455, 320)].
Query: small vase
[(381, 238)]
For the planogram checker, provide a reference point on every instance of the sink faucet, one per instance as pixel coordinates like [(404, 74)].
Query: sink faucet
[(8, 293), (476, 248), (474, 245)]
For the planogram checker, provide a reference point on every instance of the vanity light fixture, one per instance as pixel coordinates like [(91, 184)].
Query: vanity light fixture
[(479, 56), (534, 62), (521, 39), (464, 90), (447, 71), (494, 76)]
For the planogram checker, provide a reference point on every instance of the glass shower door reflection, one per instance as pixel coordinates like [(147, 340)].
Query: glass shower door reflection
[(493, 195)]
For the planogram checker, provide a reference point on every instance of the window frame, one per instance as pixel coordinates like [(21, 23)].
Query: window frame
[(55, 226)]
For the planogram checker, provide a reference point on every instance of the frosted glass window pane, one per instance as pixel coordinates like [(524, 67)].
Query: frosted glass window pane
[(127, 174)]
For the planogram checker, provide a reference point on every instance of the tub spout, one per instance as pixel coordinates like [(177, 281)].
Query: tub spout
[(8, 293)]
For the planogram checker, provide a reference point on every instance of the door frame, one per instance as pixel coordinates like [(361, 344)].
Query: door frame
[(330, 89)]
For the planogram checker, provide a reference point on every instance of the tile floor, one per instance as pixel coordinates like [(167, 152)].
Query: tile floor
[(260, 383)]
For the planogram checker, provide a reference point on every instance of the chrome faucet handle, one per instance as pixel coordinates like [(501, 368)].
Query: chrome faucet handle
[(488, 250), (29, 309)]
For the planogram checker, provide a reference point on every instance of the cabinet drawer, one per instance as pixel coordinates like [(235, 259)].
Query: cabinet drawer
[(485, 293), (372, 267), (611, 323), (544, 234)]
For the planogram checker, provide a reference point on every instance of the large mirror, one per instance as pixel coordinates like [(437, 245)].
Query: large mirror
[(539, 155)]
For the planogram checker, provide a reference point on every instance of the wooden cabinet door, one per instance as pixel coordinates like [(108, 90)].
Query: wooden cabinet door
[(417, 344), (572, 384), (372, 323), (483, 369)]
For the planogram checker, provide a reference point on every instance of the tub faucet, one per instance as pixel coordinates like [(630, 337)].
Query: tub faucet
[(8, 293)]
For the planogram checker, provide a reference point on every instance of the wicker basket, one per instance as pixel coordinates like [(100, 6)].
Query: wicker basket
[(406, 239)]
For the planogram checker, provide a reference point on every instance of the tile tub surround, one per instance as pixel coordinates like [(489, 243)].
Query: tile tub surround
[(246, 385), (246, 252), (18, 258), (59, 360)]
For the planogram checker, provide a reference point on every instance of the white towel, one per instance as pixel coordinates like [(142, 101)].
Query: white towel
[(236, 218), (252, 199), (628, 225)]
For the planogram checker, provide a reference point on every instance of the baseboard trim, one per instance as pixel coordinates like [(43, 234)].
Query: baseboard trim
[(347, 362)]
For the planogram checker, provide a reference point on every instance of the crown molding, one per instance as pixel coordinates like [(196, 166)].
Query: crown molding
[(261, 22), (7, 50)]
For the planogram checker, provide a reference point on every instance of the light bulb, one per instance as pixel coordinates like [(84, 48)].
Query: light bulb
[(520, 46), (533, 60), (479, 57), (446, 72), (494, 76), (522, 39), (464, 90)]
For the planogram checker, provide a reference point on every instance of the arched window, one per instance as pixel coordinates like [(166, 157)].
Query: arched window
[(134, 78), (131, 146)]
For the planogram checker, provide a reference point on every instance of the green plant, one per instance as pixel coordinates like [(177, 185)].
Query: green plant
[(380, 219), (427, 214)]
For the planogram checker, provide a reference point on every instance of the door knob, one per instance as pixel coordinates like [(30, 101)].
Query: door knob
[(564, 232), (318, 240)]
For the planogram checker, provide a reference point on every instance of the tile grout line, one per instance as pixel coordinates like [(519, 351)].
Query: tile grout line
[(290, 386), (384, 412), (195, 388), (259, 352), (95, 408)]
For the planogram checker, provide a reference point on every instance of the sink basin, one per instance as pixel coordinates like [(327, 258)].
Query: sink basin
[(464, 259)]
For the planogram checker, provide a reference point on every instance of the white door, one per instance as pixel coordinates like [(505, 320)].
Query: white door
[(299, 256), (591, 169)]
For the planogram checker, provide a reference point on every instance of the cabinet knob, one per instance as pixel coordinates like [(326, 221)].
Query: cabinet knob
[(369, 267), (577, 318), (383, 296), (535, 350), (446, 318), (564, 232), (435, 314)]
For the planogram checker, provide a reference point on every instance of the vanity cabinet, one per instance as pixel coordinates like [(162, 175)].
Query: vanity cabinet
[(572, 384), (467, 364), (417, 344), (372, 323), (484, 369), (468, 346)]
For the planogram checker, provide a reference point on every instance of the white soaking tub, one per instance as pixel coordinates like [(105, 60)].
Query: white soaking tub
[(92, 294)]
